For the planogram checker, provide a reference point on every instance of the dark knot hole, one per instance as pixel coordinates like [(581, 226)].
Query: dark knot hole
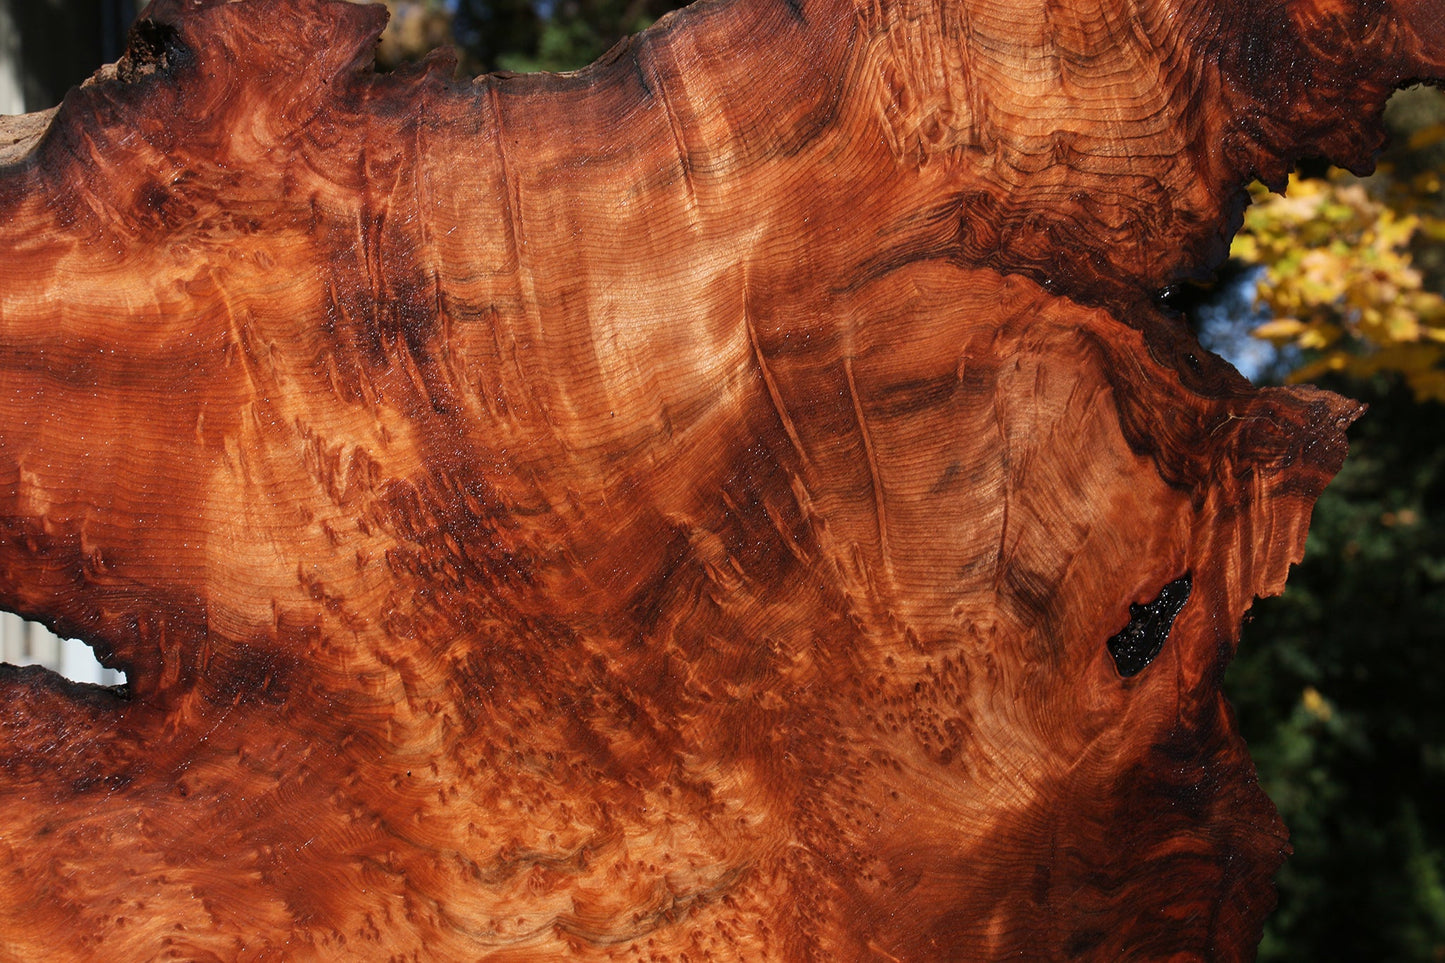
[(1140, 641)]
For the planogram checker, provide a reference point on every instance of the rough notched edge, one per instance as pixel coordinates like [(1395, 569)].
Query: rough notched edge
[(21, 133)]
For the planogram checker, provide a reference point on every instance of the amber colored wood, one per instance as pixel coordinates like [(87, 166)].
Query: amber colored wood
[(680, 510)]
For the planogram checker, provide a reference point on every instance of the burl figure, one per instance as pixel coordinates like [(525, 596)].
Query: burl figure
[(742, 501)]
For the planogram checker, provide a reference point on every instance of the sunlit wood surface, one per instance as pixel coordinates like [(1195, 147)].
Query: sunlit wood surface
[(731, 503)]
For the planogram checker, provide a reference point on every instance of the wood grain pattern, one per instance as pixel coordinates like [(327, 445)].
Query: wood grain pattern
[(674, 511)]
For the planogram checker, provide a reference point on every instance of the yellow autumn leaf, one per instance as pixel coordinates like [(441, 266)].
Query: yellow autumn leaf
[(1426, 137), (1340, 279), (1280, 329)]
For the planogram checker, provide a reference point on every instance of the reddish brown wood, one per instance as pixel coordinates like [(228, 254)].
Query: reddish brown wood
[(675, 511)]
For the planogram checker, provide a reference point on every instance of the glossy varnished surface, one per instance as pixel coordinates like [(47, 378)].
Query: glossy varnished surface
[(681, 510)]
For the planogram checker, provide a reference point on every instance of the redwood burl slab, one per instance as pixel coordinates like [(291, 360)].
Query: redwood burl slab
[(742, 501)]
